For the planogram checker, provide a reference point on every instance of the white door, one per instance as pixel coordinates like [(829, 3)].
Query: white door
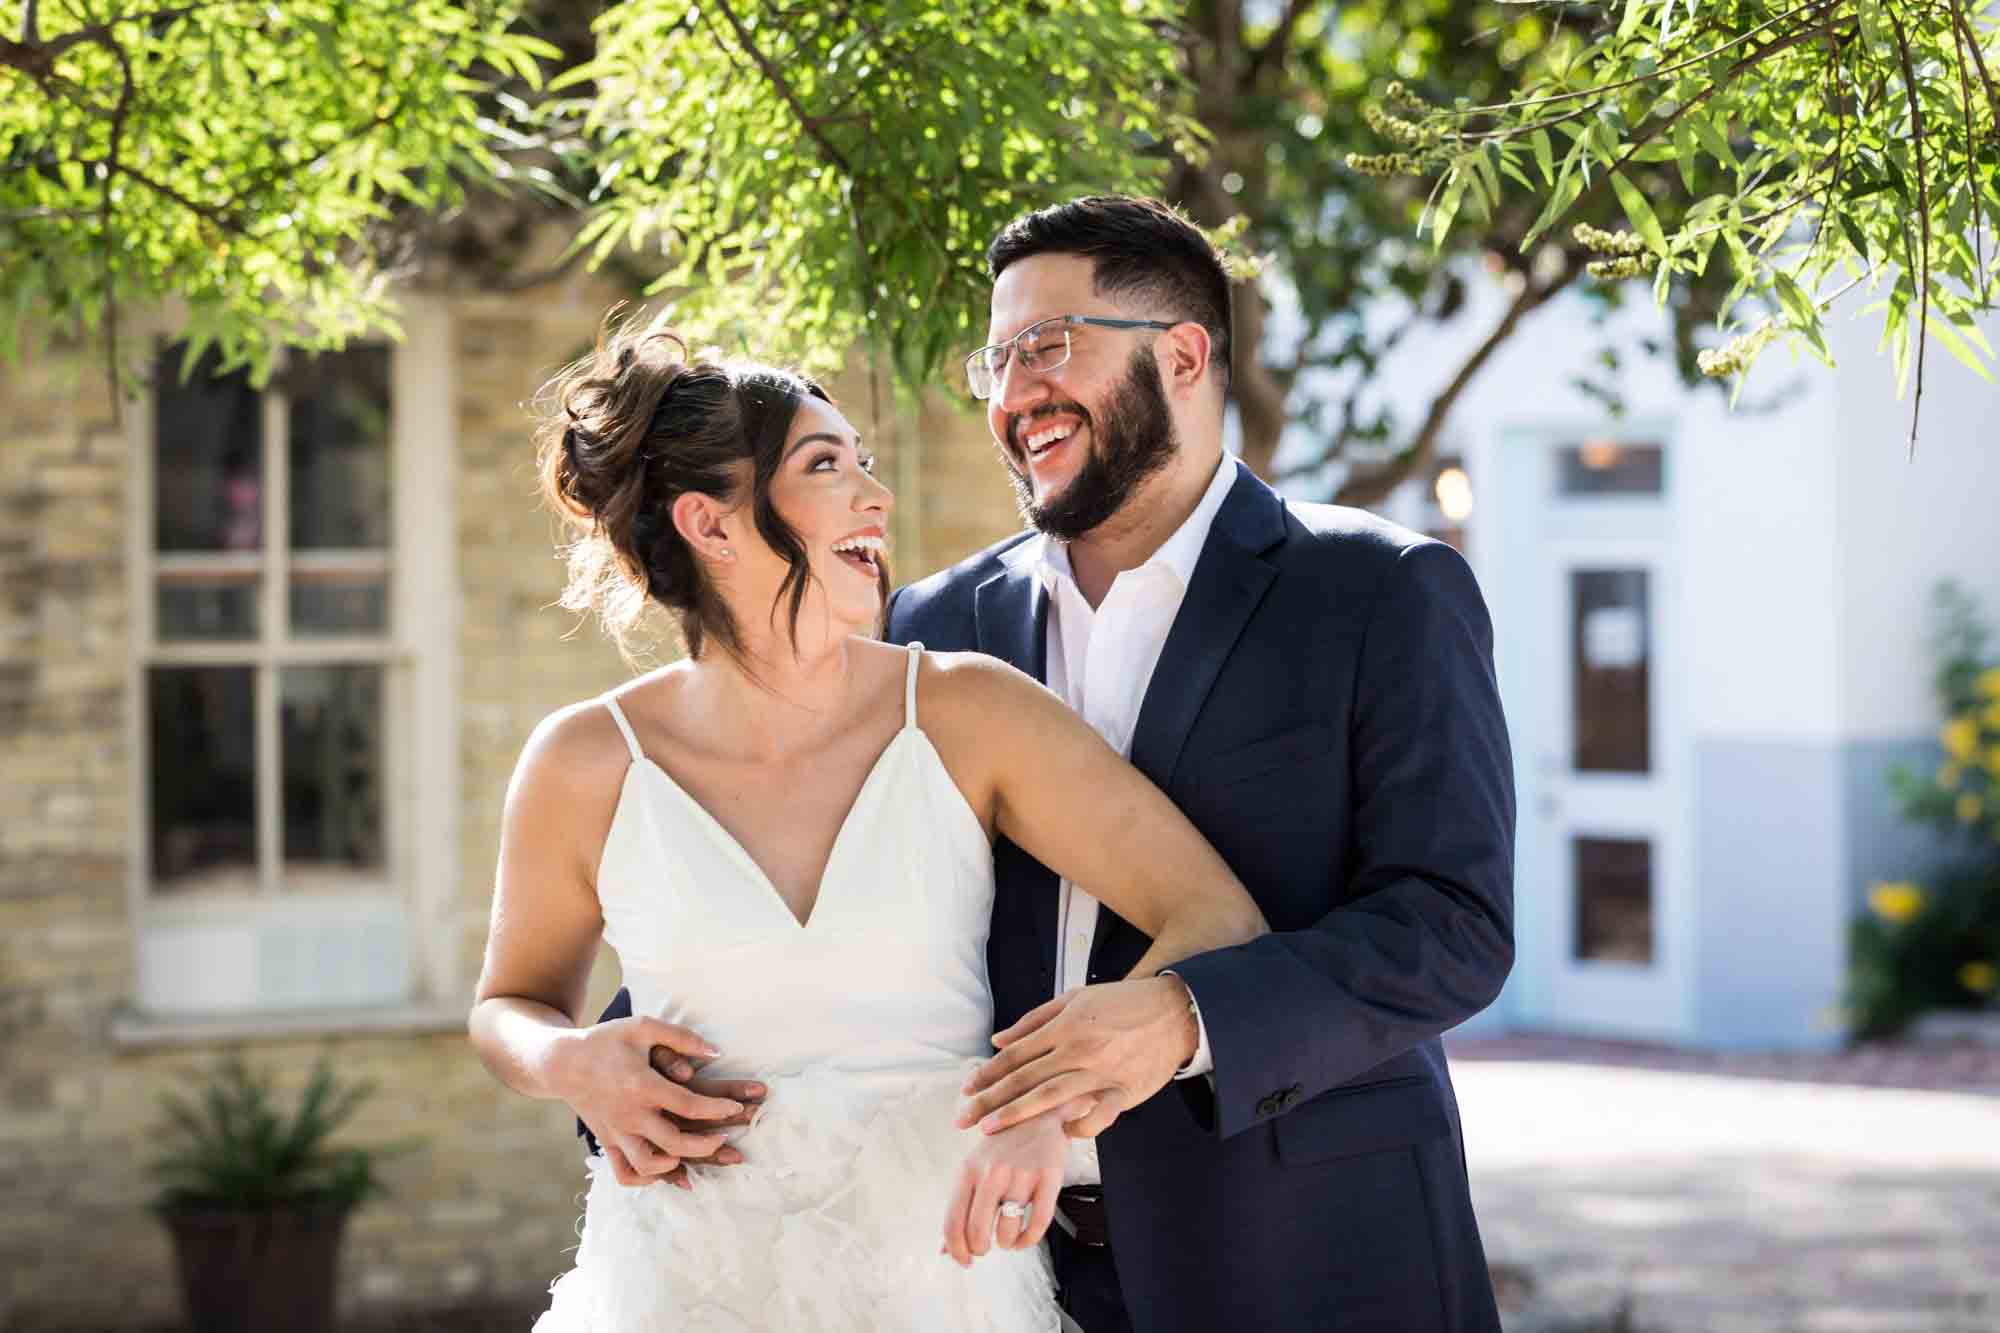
[(1588, 635)]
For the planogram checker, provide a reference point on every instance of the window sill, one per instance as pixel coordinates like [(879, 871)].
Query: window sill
[(132, 1029)]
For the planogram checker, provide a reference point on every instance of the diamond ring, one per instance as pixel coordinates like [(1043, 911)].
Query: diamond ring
[(1014, 1209)]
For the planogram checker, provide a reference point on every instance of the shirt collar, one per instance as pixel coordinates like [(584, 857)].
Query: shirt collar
[(1178, 554)]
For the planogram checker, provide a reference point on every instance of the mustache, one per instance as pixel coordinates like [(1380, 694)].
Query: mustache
[(1019, 424)]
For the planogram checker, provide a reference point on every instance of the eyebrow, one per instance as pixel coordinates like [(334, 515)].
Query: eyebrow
[(805, 440)]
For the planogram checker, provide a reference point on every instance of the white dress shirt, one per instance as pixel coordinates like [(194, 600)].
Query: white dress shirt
[(1100, 660)]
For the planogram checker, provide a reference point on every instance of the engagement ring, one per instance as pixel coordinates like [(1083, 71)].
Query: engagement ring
[(1014, 1209)]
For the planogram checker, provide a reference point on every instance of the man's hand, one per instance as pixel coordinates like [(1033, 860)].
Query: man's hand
[(1120, 1043), (624, 1079)]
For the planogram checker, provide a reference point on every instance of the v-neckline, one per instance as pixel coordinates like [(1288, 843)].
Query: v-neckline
[(735, 847)]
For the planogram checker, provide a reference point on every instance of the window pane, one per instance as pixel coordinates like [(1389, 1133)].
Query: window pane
[(1607, 467), (200, 604), (1612, 659), (339, 600), (203, 778), (339, 447), (208, 481), (331, 739), (1614, 899)]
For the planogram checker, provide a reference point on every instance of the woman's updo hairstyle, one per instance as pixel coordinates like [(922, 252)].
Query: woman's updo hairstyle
[(627, 430)]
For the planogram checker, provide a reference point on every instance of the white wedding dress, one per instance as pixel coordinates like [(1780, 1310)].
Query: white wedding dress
[(863, 1022)]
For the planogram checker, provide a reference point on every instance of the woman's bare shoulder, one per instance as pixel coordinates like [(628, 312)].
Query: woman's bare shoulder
[(577, 751), (978, 695)]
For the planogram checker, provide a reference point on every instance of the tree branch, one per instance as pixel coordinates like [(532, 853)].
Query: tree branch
[(778, 82), (1924, 217), (1376, 484), (1274, 45)]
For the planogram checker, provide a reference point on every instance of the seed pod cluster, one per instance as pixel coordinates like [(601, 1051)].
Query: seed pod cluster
[(1405, 132), (1601, 242), (1734, 357), (1625, 266), (1384, 164)]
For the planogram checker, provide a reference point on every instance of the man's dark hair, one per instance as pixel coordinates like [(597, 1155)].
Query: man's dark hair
[(1137, 247)]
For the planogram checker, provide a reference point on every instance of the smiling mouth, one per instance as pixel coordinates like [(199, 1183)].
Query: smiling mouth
[(1037, 445), (863, 553)]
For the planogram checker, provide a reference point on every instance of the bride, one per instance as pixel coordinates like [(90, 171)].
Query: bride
[(786, 838)]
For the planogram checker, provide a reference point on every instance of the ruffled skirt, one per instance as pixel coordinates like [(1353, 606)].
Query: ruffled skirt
[(830, 1225)]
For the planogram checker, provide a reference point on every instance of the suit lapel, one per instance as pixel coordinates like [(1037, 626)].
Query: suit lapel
[(1011, 614), (1229, 583), (1011, 622)]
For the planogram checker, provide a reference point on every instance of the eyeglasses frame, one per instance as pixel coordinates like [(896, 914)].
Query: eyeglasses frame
[(1067, 321)]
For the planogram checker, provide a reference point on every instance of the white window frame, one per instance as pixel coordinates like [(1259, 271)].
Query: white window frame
[(214, 964)]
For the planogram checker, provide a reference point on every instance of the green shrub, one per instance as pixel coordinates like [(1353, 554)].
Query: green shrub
[(1936, 944)]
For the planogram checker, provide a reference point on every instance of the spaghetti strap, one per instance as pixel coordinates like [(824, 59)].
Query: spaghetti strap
[(910, 689), (618, 716)]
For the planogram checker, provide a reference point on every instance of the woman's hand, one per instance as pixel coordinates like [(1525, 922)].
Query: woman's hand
[(624, 1081), (1022, 1165)]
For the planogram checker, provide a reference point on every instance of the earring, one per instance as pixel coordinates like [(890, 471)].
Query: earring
[(728, 554)]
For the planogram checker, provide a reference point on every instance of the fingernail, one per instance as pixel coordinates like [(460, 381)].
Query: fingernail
[(989, 1124), (735, 1108), (758, 1089)]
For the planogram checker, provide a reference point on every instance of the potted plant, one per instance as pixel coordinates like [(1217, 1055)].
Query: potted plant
[(257, 1199)]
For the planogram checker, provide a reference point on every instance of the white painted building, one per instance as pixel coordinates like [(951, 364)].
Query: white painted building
[(1712, 640)]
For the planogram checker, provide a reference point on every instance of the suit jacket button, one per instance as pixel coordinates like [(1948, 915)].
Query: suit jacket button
[(1289, 1098), (1266, 1106)]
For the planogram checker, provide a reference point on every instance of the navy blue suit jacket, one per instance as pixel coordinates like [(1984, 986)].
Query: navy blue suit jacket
[(1325, 711)]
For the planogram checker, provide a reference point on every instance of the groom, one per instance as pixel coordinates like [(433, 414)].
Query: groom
[(1314, 688)]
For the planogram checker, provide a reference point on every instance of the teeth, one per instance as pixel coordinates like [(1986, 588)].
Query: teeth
[(868, 548), (1042, 439)]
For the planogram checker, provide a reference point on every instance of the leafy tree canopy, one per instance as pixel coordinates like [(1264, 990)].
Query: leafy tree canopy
[(239, 157), (1815, 149), (831, 173)]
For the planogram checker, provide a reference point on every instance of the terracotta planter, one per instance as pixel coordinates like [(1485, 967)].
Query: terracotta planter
[(258, 1270)]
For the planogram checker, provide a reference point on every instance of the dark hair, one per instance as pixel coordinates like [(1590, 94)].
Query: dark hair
[(628, 429), (1137, 247)]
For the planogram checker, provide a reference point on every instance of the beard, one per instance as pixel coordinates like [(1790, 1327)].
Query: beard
[(1131, 440)]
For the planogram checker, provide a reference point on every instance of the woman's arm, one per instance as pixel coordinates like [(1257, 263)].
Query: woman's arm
[(1038, 774), (543, 936)]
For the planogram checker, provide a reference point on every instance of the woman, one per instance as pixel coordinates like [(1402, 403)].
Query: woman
[(786, 839)]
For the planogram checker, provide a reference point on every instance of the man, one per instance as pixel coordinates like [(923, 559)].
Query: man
[(1314, 688)]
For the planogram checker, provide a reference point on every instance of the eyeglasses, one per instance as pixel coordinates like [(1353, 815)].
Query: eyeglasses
[(1040, 347)]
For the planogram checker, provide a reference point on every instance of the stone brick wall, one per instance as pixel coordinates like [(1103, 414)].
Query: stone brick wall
[(488, 1206)]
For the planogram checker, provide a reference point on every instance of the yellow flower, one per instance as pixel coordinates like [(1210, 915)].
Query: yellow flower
[(1993, 760), (1979, 978), (1970, 807), (1948, 775), (1989, 716), (1961, 738), (1896, 902), (1988, 682)]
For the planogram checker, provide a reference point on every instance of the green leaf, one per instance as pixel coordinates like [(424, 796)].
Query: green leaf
[(1942, 329), (1852, 230), (1447, 209), (1684, 150), (1640, 213), (1544, 155)]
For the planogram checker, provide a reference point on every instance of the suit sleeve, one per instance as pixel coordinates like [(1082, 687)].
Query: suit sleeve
[(1422, 936)]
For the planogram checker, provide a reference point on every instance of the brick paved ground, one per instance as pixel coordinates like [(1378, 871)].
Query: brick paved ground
[(1943, 1066), (1735, 1194)]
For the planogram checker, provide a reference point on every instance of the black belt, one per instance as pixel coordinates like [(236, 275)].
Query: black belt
[(1080, 1212)]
